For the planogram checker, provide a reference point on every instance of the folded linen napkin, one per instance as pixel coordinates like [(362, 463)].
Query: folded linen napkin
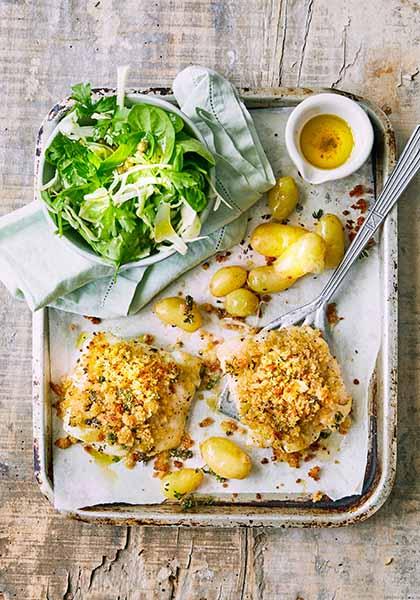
[(41, 269)]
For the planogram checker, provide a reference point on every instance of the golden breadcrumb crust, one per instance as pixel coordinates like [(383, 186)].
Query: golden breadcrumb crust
[(117, 392), (289, 389)]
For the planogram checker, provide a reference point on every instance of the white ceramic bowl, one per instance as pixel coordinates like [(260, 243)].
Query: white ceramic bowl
[(45, 172), (332, 104)]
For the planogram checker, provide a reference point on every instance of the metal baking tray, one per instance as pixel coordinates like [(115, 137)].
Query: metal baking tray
[(285, 511)]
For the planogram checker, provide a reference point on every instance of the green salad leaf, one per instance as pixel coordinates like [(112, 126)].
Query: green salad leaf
[(189, 144), (129, 180), (155, 121)]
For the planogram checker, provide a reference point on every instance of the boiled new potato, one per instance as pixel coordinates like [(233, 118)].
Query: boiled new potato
[(225, 458), (179, 312), (272, 239), (283, 197), (179, 483), (226, 280), (241, 303), (306, 255), (266, 280), (329, 227)]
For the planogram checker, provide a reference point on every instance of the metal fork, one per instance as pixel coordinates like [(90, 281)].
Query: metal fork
[(313, 313)]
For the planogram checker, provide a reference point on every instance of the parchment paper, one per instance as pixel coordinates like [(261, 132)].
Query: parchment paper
[(79, 481)]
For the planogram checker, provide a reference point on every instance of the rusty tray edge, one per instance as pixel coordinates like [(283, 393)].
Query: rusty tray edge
[(385, 421)]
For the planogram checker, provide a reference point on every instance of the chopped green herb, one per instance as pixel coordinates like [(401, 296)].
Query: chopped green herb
[(189, 305), (317, 214), (181, 453), (111, 437), (338, 417), (209, 471)]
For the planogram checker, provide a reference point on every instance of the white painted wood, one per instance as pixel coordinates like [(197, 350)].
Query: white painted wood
[(370, 48)]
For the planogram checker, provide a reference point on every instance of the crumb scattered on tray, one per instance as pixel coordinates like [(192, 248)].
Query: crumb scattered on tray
[(161, 463), (93, 320), (231, 427), (317, 496), (359, 190), (361, 205), (65, 442), (332, 315), (206, 422), (222, 256), (315, 473)]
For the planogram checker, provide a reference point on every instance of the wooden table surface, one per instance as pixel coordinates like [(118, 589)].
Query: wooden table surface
[(371, 48)]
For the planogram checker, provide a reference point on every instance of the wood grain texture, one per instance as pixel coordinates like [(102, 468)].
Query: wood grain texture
[(368, 48)]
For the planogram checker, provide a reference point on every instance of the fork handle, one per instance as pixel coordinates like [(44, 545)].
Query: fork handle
[(405, 169)]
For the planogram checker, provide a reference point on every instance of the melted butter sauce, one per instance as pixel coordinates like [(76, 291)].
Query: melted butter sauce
[(326, 141), (102, 459)]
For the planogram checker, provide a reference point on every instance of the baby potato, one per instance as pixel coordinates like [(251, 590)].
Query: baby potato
[(283, 197), (306, 255), (272, 239), (241, 303), (329, 227), (182, 313), (226, 280), (181, 482), (266, 280), (225, 458)]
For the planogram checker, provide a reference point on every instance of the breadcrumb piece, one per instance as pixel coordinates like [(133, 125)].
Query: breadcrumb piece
[(206, 422), (65, 442), (161, 462), (317, 496), (187, 442), (231, 427), (314, 473), (332, 315)]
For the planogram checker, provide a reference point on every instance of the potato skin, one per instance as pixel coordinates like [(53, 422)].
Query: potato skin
[(181, 482), (266, 280), (226, 280), (307, 255), (225, 458), (330, 228), (179, 312), (241, 303), (272, 239), (283, 197)]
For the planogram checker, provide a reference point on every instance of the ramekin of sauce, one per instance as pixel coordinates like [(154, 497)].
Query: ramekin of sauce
[(328, 137)]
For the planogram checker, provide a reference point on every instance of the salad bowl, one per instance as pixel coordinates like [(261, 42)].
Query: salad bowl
[(52, 126)]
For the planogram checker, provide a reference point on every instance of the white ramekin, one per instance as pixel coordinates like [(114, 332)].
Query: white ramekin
[(333, 104)]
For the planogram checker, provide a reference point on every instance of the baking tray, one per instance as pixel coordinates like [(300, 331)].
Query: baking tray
[(285, 511)]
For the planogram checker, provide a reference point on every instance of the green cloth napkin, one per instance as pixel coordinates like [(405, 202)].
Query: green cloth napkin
[(40, 268)]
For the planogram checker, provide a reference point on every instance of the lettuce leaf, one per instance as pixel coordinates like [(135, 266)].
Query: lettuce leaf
[(154, 120)]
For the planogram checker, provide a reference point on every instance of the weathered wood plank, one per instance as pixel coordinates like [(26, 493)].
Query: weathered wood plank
[(369, 48)]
